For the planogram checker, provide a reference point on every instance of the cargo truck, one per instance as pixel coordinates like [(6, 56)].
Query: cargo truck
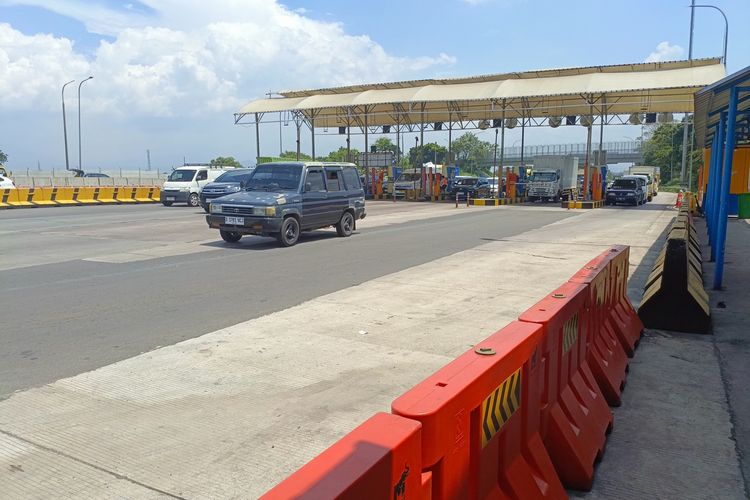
[(654, 177), (553, 179)]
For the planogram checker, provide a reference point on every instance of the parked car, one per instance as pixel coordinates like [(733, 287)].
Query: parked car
[(95, 174), (7, 183), (230, 181), (474, 187), (284, 198), (628, 190)]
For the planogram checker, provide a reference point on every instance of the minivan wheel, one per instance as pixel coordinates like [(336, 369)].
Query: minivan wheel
[(193, 200), (230, 236), (289, 233), (345, 226)]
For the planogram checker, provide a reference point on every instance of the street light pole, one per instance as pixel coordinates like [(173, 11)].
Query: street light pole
[(496, 174), (685, 127), (79, 120), (726, 27), (65, 125)]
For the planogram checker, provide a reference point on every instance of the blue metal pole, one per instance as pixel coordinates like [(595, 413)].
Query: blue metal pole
[(727, 175), (717, 187), (710, 202)]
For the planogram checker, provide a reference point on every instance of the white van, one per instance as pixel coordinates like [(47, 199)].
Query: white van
[(184, 184)]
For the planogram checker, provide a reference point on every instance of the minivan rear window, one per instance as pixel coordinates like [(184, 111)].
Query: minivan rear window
[(351, 178)]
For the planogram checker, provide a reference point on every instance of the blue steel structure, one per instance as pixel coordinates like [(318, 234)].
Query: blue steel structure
[(729, 99)]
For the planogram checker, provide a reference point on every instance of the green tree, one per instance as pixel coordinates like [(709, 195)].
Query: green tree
[(226, 161), (292, 155), (3, 157), (428, 152), (340, 155), (385, 144), (663, 149), (473, 154)]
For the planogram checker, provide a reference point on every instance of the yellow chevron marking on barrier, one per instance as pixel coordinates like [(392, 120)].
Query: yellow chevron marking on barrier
[(107, 195), (65, 196), (600, 288), (500, 405), (125, 194), (142, 194), (22, 195), (570, 332), (5, 197), (41, 197), (87, 196)]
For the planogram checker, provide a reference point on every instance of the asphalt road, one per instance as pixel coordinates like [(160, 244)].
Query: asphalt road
[(64, 315)]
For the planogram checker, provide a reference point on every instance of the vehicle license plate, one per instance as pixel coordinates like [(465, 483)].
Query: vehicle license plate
[(236, 221), (170, 198)]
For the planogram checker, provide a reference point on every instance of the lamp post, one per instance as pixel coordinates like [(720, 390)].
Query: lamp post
[(726, 28), (496, 174), (79, 120), (65, 125)]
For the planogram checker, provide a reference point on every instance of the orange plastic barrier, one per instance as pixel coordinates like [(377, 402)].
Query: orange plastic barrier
[(575, 416), (606, 356), (480, 421), (628, 326), (378, 459)]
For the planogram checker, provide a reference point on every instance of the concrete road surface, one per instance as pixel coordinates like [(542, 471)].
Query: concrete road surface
[(286, 351), (83, 287)]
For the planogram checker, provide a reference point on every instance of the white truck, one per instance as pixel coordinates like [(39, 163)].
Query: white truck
[(553, 178)]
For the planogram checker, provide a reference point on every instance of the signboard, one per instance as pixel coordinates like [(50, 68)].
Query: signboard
[(381, 159)]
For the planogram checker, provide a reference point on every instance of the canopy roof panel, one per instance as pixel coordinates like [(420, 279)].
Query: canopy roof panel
[(620, 89), (709, 103)]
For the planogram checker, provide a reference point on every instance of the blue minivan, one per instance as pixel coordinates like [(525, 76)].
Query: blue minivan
[(282, 199)]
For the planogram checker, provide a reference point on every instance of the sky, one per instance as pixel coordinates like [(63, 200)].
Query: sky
[(169, 74)]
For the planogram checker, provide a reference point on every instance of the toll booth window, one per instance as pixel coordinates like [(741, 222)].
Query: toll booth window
[(315, 180), (332, 180), (202, 175), (351, 178)]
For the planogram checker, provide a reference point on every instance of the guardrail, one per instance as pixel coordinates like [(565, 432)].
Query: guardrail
[(40, 181), (74, 196), (524, 414)]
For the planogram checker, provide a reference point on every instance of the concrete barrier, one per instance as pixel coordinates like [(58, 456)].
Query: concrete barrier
[(495, 202), (29, 197), (674, 298)]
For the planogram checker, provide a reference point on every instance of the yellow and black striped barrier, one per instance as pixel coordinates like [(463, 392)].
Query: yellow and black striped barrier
[(495, 202), (582, 204), (32, 197), (674, 298)]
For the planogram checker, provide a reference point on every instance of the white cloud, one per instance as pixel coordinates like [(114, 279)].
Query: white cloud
[(33, 69), (191, 57), (666, 52)]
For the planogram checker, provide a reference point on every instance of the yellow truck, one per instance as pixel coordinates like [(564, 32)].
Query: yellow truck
[(654, 177)]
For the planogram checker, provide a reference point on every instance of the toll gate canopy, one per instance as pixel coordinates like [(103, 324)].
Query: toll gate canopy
[(617, 94)]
